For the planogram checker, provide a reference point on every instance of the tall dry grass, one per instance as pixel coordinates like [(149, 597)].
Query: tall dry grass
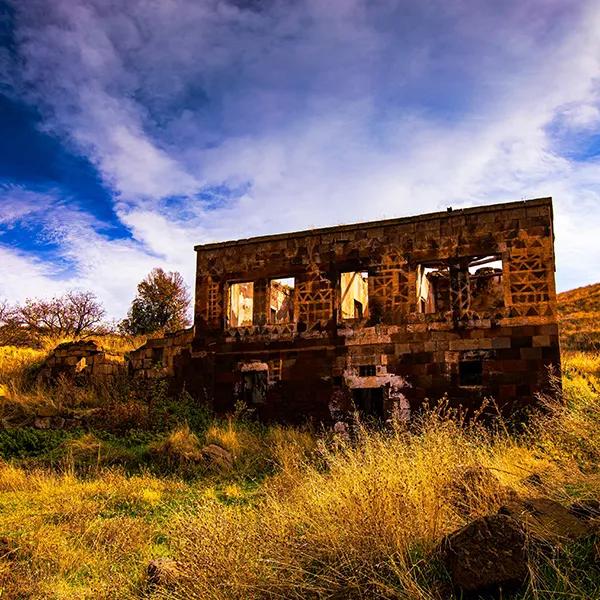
[(300, 515), (364, 520)]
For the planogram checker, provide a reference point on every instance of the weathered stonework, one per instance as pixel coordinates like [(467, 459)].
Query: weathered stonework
[(163, 357), (460, 303), (81, 359)]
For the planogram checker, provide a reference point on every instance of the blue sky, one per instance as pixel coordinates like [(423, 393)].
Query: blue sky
[(133, 129)]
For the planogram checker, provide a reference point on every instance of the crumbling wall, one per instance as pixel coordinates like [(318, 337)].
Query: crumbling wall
[(160, 357), (81, 359)]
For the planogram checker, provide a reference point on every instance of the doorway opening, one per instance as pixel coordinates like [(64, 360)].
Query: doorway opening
[(369, 402)]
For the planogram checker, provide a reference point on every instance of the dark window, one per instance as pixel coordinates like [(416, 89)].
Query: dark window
[(254, 387), (157, 355), (369, 401), (358, 310), (470, 372), (367, 370)]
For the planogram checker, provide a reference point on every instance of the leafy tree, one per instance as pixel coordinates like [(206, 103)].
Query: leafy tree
[(161, 304)]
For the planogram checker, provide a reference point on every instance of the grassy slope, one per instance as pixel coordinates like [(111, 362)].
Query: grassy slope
[(298, 516), (579, 314)]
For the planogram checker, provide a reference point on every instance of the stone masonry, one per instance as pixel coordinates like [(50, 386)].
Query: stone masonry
[(84, 358), (163, 357), (461, 303)]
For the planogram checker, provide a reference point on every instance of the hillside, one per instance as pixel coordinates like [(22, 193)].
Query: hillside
[(579, 316)]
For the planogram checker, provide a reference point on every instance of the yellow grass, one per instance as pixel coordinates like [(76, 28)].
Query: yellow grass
[(14, 360), (362, 526), (300, 515)]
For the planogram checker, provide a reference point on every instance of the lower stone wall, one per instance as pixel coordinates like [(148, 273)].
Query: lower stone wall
[(160, 357), (388, 369)]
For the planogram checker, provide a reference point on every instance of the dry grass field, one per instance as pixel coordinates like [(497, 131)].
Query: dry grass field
[(297, 514), (579, 315)]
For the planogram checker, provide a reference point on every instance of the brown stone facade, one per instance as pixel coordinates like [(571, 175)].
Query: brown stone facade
[(380, 315)]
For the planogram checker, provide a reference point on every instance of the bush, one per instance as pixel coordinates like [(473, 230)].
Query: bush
[(28, 442)]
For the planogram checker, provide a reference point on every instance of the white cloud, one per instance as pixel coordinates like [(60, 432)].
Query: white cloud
[(332, 112)]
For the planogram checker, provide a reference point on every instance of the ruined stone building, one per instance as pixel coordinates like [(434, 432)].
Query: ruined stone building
[(379, 315)]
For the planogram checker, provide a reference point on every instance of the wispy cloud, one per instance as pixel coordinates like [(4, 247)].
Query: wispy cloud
[(319, 112)]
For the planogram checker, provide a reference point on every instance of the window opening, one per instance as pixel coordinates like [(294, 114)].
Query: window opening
[(367, 370), (460, 284), (157, 355), (354, 288), (281, 300), (433, 288), (470, 372), (241, 304), (485, 282)]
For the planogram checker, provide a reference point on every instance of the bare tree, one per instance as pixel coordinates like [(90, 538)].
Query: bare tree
[(5, 310), (11, 332), (75, 314)]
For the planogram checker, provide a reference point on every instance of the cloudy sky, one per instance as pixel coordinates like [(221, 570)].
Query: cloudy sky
[(131, 130)]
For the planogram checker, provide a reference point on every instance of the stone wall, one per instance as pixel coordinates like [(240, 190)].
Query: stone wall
[(483, 331), (82, 359), (161, 357)]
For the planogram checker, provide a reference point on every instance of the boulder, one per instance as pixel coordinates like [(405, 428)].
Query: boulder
[(546, 519), (586, 510), (487, 555), (42, 422), (217, 456), (161, 571)]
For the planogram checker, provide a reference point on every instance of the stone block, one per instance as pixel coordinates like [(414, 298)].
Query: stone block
[(501, 342)]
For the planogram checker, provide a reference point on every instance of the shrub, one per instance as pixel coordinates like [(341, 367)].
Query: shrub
[(180, 448)]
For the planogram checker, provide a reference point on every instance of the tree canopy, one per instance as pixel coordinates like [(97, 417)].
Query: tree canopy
[(161, 304), (74, 314)]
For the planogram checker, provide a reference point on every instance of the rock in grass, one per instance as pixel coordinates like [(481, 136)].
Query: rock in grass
[(586, 510), (42, 422), (487, 555), (547, 519), (473, 486), (161, 571), (533, 480), (217, 456)]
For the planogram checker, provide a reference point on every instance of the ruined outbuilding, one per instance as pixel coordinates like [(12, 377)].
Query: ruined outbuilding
[(380, 315), (82, 360)]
